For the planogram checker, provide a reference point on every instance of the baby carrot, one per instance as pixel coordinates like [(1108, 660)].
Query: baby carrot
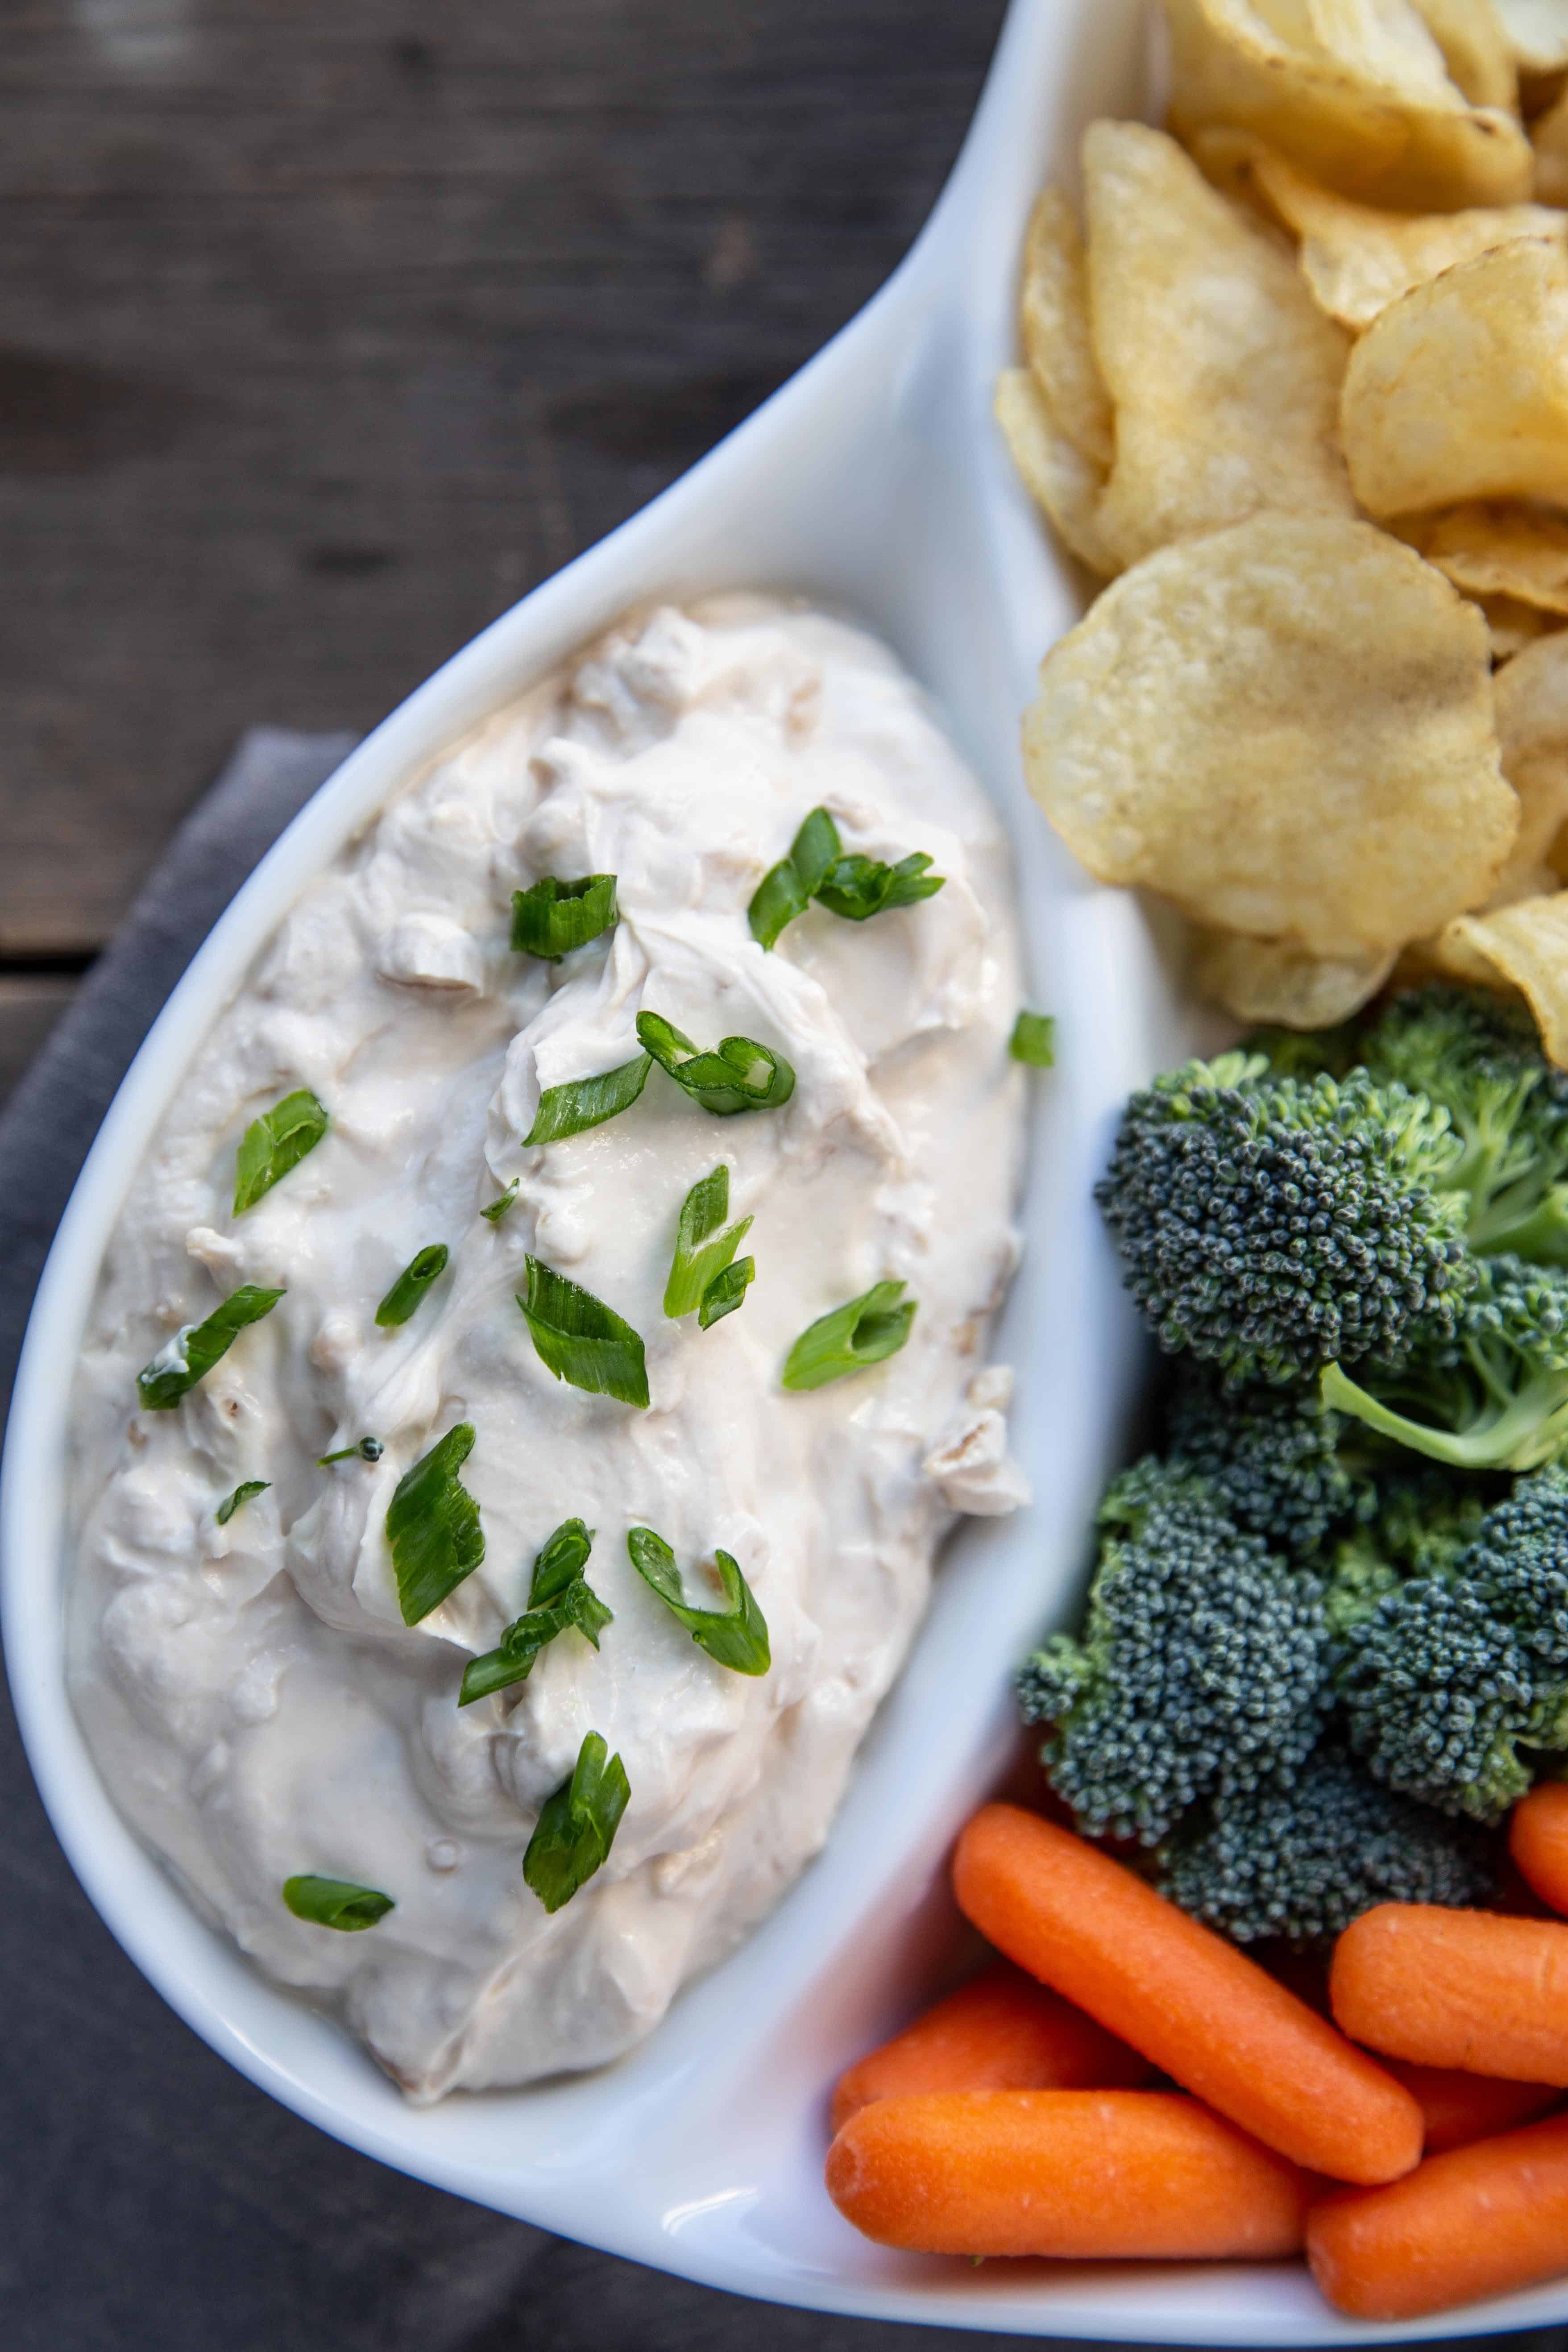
[(1538, 1841), (1206, 2015), (1465, 1989), (1081, 2175), (1460, 2107), (1479, 2220), (1001, 2031)]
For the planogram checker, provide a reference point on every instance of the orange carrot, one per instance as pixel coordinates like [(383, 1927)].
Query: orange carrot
[(1465, 1989), (1460, 2107), (1001, 2031), (1538, 1841), (1076, 2174), (1206, 2015), (1479, 2220)]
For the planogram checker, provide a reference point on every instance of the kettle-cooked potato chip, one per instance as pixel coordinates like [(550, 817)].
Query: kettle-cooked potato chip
[(1222, 375), (1476, 49), (1549, 133), (1537, 33), (1490, 547), (1056, 340), (1356, 258), (1276, 981), (1354, 94), (1532, 698), (1513, 625), (1459, 390), (1287, 730), (1057, 476), (1524, 946)]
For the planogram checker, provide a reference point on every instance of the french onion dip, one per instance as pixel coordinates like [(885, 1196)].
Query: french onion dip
[(260, 1707)]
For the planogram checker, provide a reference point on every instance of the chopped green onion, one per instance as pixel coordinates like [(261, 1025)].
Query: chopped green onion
[(411, 1286), (335, 1903), (433, 1527), (242, 1493), (739, 1075), (787, 889), (555, 917), (577, 1825), (736, 1635), (368, 1449), (1033, 1041), (862, 1331), (727, 1291), (701, 1250), (857, 888), (581, 1339), (274, 1143), (583, 1103), (560, 1597), (195, 1348), (499, 1207)]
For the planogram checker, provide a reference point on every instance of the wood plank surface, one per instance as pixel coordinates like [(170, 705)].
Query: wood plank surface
[(328, 330)]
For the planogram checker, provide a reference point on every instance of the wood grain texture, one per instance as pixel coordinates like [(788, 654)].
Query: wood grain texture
[(325, 331)]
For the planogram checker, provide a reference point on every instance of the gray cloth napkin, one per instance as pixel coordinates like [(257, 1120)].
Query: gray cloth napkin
[(151, 2196)]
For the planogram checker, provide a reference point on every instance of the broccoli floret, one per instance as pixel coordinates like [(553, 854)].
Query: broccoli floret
[(1301, 1863), (1202, 1670), (1427, 1515), (1448, 1676), (1480, 1058), (1270, 1455), (1308, 1052), (1492, 1397), (1272, 1227)]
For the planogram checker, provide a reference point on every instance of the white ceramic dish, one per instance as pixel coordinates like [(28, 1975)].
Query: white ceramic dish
[(874, 482)]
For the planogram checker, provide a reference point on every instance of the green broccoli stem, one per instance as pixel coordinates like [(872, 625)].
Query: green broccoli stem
[(1541, 1234), (1530, 1429)]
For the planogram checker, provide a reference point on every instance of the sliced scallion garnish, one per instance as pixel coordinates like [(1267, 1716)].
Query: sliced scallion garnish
[(411, 1286), (739, 1074), (581, 1339), (554, 917), (335, 1903), (726, 1292), (274, 1143), (857, 888), (736, 1635), (704, 1246), (433, 1527), (242, 1493), (558, 1598), (864, 1330), (190, 1354), (1033, 1041), (577, 1825), (583, 1103), (365, 1449), (495, 1210), (787, 889)]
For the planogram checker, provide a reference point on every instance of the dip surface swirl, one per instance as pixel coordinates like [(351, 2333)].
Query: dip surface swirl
[(252, 1696)]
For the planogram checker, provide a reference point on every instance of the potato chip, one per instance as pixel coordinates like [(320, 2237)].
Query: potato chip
[(1357, 259), (1526, 946), (1287, 730), (1476, 49), (1222, 375), (1057, 476), (1276, 981), (1532, 699), (1354, 94), (1493, 548), (1459, 390), (1548, 133), (1513, 625), (1537, 33), (1056, 340)]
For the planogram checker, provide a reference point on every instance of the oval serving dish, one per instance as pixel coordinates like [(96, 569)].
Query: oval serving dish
[(876, 484)]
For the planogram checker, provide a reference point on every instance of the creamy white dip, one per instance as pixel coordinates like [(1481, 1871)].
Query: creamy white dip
[(253, 1699)]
